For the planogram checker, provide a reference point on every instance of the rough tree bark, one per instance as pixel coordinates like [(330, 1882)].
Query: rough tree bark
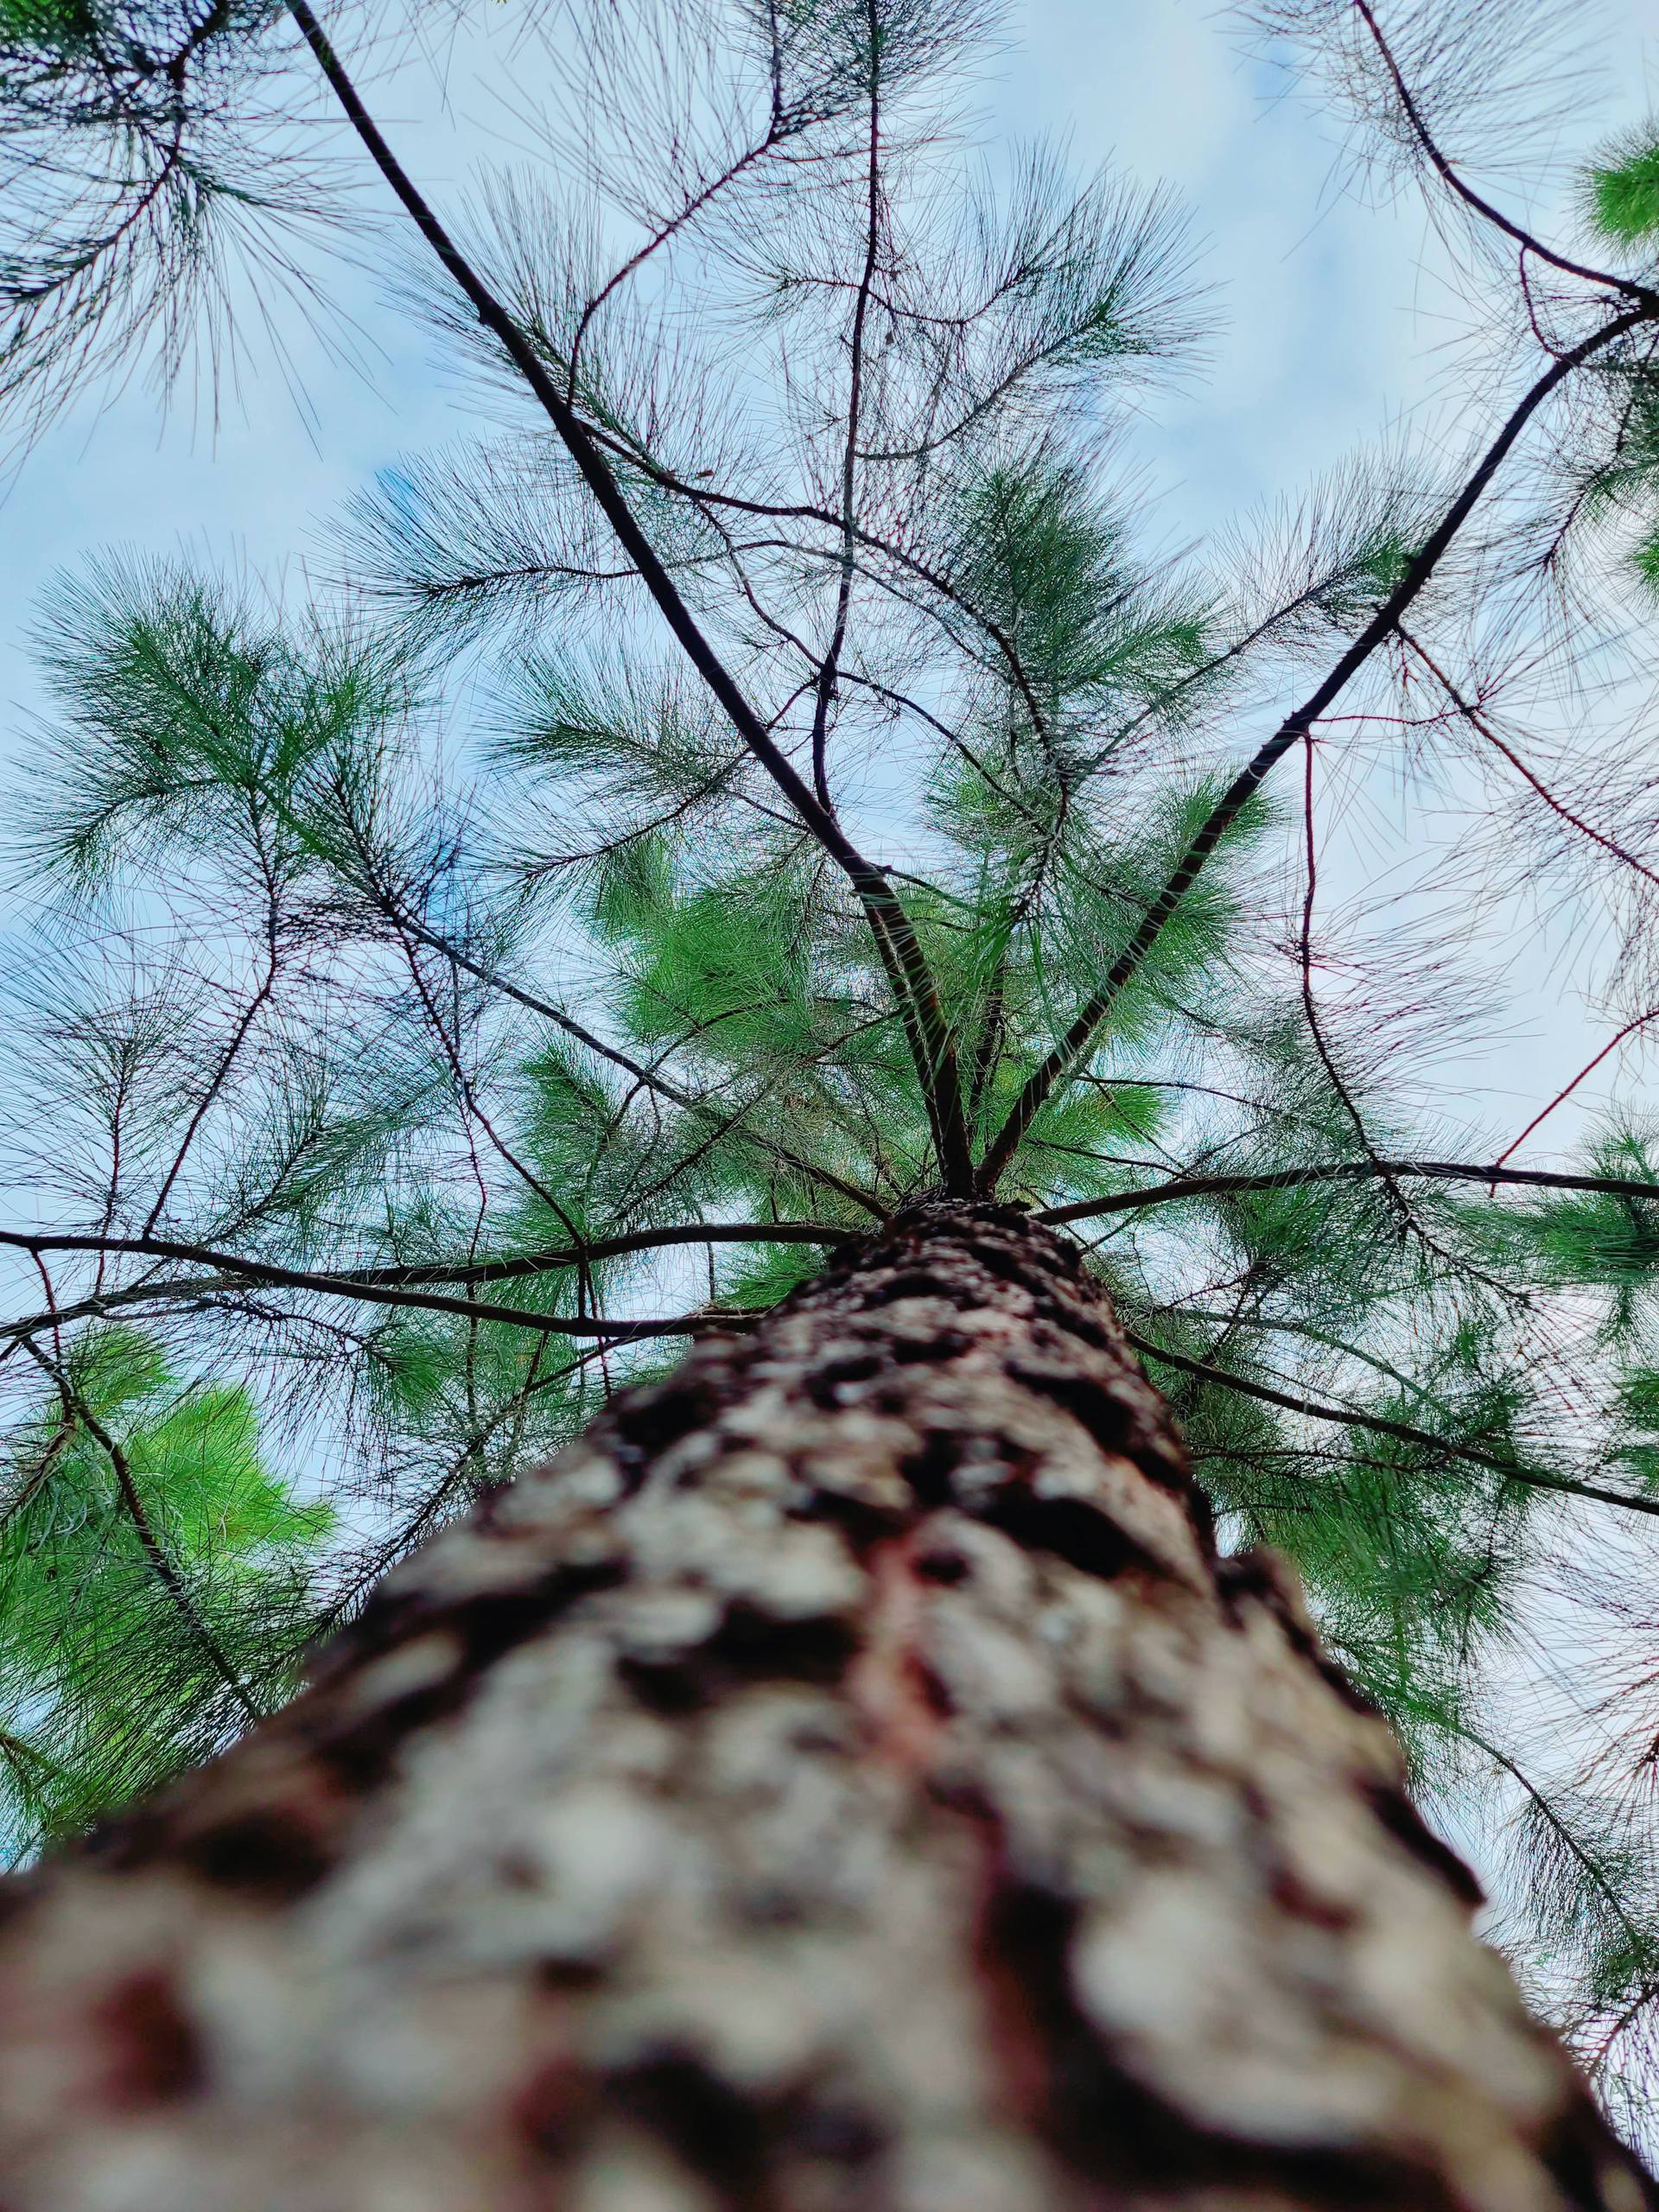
[(846, 1778)]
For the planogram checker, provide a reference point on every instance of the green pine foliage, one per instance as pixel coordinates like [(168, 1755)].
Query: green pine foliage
[(158, 1596), (437, 1001), (1622, 189)]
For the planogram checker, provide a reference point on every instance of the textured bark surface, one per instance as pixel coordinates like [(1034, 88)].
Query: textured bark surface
[(847, 1778)]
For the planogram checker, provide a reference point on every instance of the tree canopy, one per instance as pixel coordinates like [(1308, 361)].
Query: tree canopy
[(774, 772)]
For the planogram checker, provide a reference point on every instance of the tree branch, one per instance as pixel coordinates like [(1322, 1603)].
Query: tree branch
[(1342, 1171), (154, 1552), (1637, 1021), (1380, 1424), (1397, 1198), (936, 1066), (332, 1286), (1244, 785), (704, 496), (228, 1059), (1643, 295), (1558, 1827), (649, 1077), (1481, 723)]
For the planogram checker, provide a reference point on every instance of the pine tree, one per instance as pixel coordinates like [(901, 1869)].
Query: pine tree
[(891, 1755)]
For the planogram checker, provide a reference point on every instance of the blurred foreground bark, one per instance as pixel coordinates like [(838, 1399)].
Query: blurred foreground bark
[(846, 1781)]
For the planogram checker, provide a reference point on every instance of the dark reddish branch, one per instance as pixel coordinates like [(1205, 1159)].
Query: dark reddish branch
[(343, 1285), (1397, 1200), (1343, 1171), (53, 1318), (1643, 295), (1382, 1425), (221, 1074), (777, 131), (826, 682), (26, 300), (705, 497), (1304, 961), (1638, 1021), (830, 667), (468, 1095), (936, 1066), (1481, 723), (647, 1078), (1245, 786), (1593, 1872)]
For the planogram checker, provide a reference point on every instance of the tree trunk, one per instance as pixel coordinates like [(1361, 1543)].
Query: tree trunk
[(846, 1781)]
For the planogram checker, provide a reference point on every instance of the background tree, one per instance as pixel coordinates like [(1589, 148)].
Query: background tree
[(858, 833)]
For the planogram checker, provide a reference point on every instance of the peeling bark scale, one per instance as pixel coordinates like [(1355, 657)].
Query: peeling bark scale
[(847, 1780)]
